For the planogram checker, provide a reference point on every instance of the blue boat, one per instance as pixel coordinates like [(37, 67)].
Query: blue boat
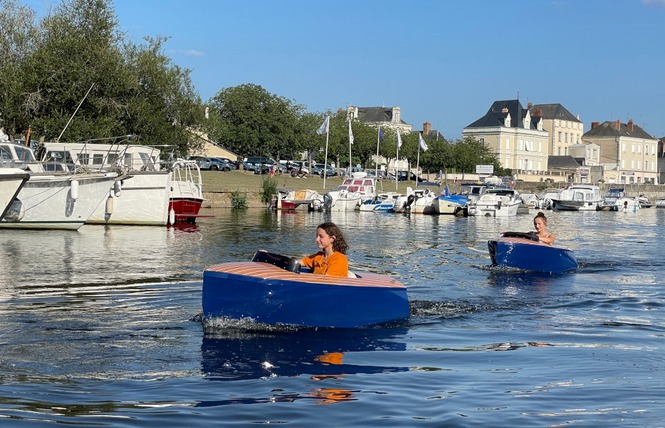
[(524, 251), (275, 290)]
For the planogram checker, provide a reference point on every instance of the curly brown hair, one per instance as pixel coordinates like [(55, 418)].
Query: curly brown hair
[(339, 244)]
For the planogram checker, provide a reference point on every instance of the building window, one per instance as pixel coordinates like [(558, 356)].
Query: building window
[(559, 136), (482, 140)]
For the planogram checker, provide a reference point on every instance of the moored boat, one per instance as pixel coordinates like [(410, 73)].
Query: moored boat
[(61, 199), (350, 194), (578, 197), (524, 251), (496, 202), (186, 192), (273, 289), (11, 182)]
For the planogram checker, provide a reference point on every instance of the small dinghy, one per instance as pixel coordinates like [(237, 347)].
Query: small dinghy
[(274, 289), (524, 251)]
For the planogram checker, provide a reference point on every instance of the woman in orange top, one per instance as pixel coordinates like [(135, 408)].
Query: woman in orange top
[(331, 260)]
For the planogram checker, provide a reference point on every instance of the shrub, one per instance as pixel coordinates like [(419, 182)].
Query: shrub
[(268, 189), (238, 200)]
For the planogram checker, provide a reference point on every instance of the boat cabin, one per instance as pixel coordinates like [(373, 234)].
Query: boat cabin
[(132, 157)]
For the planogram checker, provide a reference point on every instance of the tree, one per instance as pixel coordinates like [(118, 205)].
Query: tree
[(17, 41), (253, 122), (161, 106)]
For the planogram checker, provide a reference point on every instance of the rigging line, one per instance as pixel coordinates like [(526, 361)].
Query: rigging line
[(57, 140)]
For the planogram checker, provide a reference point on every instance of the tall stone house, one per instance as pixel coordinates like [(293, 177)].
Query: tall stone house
[(517, 138), (628, 154), (385, 117), (563, 127)]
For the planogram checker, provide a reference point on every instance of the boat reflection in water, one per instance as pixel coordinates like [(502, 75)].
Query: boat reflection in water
[(232, 355)]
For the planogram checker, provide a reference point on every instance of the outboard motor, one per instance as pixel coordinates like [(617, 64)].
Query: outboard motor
[(409, 201)]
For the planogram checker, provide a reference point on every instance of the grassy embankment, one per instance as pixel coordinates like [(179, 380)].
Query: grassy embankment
[(218, 186)]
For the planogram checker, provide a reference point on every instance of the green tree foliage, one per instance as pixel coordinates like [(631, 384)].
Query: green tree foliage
[(75, 54), (253, 122), (18, 35)]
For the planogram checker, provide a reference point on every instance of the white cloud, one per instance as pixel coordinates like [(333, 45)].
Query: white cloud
[(654, 3), (187, 52)]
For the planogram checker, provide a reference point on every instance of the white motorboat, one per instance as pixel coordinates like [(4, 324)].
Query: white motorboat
[(298, 200), (496, 202), (11, 183), (546, 197), (578, 197), (627, 204), (53, 200), (447, 203), (350, 194), (422, 202), (383, 202), (142, 196)]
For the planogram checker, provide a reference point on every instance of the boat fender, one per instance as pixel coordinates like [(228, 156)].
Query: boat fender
[(532, 236), (172, 217), (108, 209), (284, 262), (74, 189), (117, 187)]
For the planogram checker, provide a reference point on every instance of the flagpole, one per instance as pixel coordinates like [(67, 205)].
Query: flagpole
[(325, 160), (399, 141), (376, 161), (350, 143), (417, 163), (397, 169)]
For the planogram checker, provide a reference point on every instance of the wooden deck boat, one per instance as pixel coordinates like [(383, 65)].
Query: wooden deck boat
[(274, 290), (524, 251)]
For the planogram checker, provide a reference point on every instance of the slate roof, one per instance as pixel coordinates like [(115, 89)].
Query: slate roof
[(495, 116), (562, 162), (609, 129), (554, 111), (376, 114)]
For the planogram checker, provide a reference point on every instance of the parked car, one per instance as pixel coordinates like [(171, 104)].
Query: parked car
[(213, 164), (259, 164)]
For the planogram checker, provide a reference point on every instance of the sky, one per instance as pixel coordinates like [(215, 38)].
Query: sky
[(441, 61)]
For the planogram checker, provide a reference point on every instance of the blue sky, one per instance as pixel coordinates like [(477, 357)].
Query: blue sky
[(440, 61)]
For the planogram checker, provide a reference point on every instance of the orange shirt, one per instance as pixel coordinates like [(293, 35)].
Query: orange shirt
[(337, 264)]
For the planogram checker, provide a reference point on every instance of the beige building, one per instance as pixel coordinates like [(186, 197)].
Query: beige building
[(201, 145), (628, 154), (565, 129), (516, 138)]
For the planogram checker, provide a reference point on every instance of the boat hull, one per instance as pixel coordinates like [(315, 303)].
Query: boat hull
[(143, 200), (268, 294), (11, 183), (521, 253), (57, 201)]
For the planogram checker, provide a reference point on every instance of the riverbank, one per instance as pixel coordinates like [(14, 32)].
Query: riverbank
[(218, 187)]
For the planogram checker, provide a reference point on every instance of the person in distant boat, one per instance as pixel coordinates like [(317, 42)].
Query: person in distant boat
[(331, 260), (540, 223)]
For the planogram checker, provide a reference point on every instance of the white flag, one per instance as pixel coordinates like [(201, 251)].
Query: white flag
[(422, 142), (323, 129), (399, 140), (350, 134)]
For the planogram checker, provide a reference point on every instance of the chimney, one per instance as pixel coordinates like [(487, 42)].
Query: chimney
[(594, 124), (529, 105), (617, 125), (427, 127), (631, 126)]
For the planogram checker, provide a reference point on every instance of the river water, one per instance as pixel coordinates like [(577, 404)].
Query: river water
[(102, 327)]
